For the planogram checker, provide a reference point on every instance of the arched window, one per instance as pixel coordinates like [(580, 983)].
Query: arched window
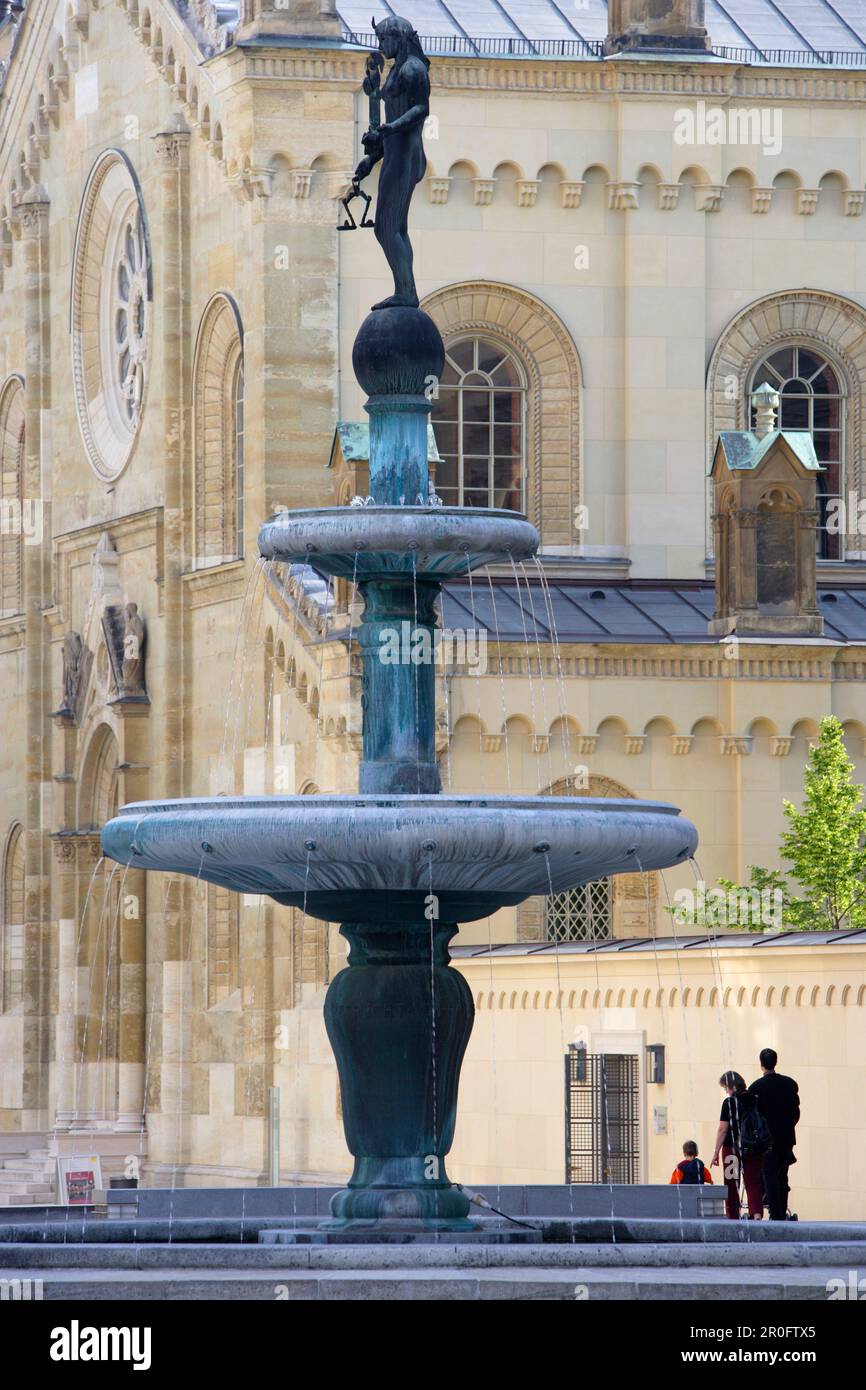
[(534, 420), (812, 399), (238, 427), (11, 496), (12, 992), (479, 419), (581, 914), (218, 379)]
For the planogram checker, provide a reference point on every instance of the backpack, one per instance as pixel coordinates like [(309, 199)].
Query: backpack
[(692, 1170), (754, 1137)]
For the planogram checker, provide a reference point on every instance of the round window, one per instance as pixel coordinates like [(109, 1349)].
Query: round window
[(111, 314)]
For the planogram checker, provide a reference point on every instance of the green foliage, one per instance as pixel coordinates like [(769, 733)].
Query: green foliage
[(825, 845)]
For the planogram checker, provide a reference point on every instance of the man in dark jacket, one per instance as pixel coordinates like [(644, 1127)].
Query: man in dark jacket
[(779, 1102)]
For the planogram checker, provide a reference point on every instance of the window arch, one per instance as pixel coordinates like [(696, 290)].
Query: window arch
[(218, 381), (99, 787), (12, 992), (823, 324), (812, 397), (238, 432), (624, 905), (12, 442), (479, 419), (541, 347)]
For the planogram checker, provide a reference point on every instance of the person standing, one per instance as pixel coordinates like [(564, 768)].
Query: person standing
[(736, 1106), (778, 1100)]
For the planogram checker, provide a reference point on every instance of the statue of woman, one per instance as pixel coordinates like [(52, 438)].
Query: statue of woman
[(399, 144)]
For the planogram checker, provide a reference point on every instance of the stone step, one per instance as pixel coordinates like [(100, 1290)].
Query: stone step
[(60, 1253), (575, 1284)]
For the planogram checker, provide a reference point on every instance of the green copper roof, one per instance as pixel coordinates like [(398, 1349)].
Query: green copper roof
[(354, 437), (743, 449)]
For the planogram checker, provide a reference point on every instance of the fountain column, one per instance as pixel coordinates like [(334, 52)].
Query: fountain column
[(398, 356), (399, 1017)]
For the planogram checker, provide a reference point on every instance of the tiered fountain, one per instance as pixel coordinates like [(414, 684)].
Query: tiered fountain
[(399, 865)]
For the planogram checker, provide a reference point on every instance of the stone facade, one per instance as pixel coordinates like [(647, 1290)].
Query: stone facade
[(636, 279)]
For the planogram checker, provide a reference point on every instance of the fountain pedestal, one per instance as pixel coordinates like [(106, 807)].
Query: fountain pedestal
[(399, 1019)]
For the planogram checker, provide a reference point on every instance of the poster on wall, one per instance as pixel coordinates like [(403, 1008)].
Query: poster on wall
[(78, 1178)]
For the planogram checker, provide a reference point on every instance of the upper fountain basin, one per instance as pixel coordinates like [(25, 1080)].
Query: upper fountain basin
[(375, 858), (369, 542)]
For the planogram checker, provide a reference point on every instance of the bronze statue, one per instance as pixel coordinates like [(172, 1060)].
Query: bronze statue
[(399, 144)]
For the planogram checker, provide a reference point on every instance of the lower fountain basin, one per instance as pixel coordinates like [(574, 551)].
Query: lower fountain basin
[(381, 542), (376, 859)]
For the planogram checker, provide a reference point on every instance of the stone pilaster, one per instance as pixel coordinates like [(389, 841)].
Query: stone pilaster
[(171, 148), (33, 220), (66, 907)]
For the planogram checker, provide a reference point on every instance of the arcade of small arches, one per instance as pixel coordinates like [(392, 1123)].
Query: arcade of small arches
[(507, 181), (613, 735), (760, 996)]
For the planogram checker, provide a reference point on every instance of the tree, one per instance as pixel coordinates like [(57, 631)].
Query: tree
[(825, 845), (826, 841)]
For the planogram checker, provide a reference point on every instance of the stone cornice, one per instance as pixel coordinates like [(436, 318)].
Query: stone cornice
[(759, 662), (127, 533), (216, 583), (564, 76)]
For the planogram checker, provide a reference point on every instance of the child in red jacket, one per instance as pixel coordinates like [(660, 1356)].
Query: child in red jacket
[(692, 1169)]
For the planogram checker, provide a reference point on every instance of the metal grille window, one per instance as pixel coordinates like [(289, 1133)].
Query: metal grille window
[(812, 399), (581, 914), (479, 419), (602, 1122)]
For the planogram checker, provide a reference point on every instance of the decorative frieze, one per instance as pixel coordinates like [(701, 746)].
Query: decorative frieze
[(527, 192), (302, 182), (635, 743), (708, 196), (780, 746), (623, 197), (483, 192), (681, 744), (807, 201), (570, 192), (439, 190), (735, 745), (586, 743), (852, 201), (667, 196), (762, 199)]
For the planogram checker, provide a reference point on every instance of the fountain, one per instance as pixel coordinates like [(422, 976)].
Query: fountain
[(399, 865)]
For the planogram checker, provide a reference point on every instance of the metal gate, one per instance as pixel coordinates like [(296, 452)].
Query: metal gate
[(602, 1120)]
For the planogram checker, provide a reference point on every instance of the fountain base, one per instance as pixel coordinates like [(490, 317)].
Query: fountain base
[(399, 1019)]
